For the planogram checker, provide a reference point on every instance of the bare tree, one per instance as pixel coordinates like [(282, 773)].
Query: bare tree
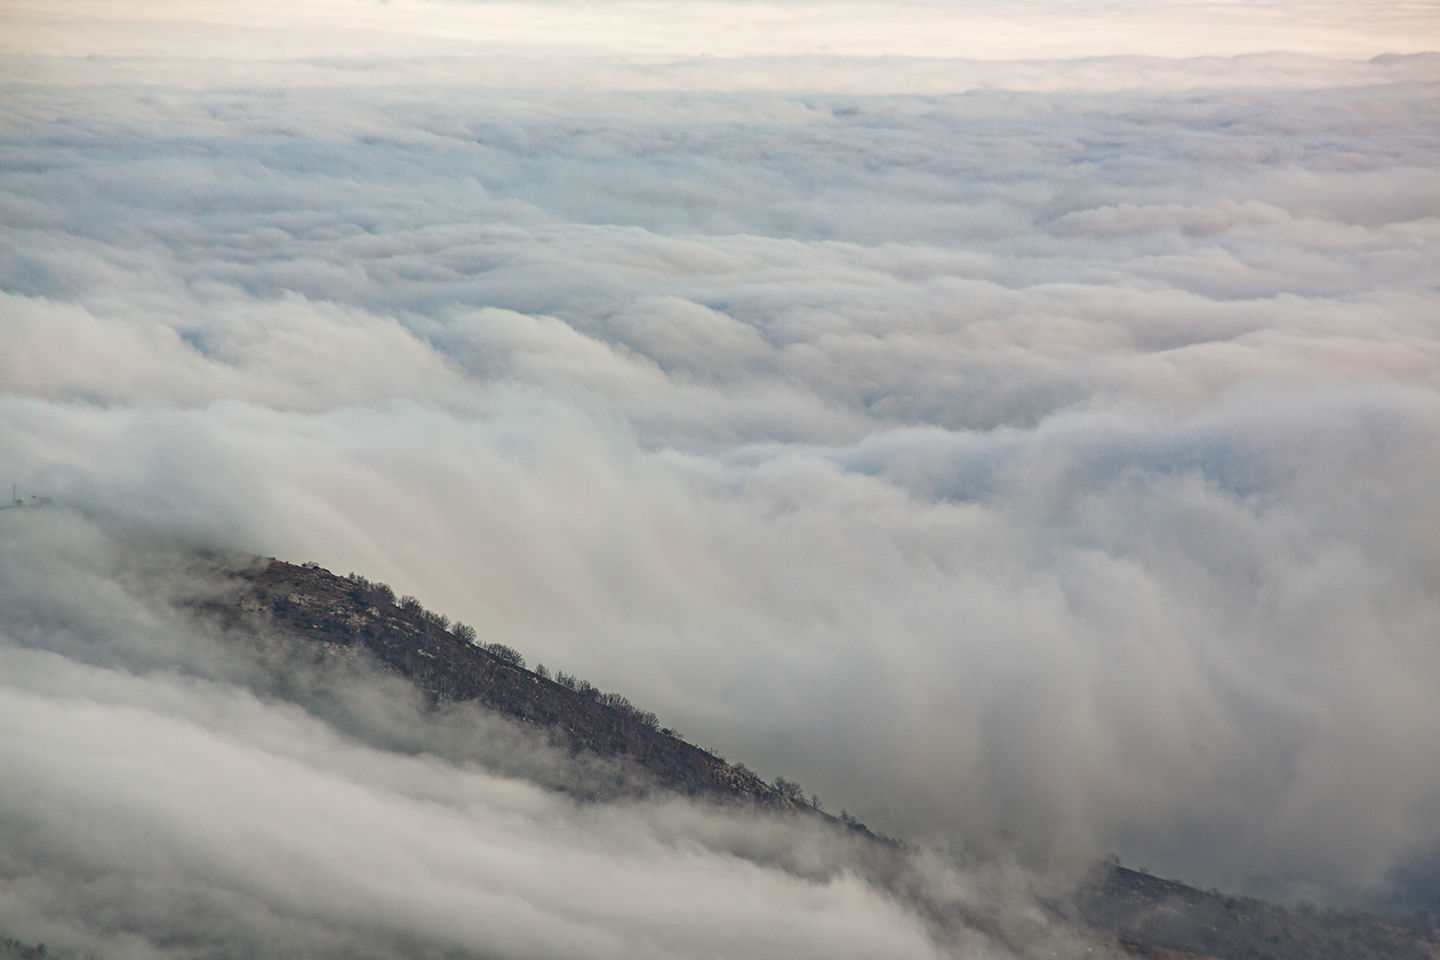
[(507, 653), (789, 789)]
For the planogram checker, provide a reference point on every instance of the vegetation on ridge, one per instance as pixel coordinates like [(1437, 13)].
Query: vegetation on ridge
[(1129, 910), (447, 660)]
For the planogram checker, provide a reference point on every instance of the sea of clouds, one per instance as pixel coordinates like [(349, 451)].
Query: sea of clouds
[(174, 790), (999, 420)]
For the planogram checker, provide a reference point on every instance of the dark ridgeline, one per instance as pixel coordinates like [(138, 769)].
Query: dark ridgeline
[(1128, 910), (445, 661), (1156, 918)]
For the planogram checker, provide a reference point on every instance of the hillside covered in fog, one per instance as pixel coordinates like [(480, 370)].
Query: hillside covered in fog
[(229, 756), (1014, 426)]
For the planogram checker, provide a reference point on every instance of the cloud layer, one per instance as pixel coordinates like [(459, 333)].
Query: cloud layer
[(1053, 454), (161, 812)]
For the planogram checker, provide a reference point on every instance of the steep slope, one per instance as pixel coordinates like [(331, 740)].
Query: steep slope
[(1142, 915), (306, 602)]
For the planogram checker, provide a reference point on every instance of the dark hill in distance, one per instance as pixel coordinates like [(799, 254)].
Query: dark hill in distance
[(325, 615)]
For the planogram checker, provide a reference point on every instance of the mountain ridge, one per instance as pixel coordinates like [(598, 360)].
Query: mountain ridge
[(1131, 911)]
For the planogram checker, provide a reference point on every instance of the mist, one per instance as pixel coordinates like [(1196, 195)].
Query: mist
[(1002, 425), (183, 788)]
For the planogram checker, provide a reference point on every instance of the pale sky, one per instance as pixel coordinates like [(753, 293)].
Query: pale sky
[(201, 41)]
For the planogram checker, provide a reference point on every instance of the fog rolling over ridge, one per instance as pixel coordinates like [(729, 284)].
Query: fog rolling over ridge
[(186, 789), (1002, 424)]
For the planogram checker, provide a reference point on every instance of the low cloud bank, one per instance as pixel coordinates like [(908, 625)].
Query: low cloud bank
[(1051, 458), (168, 801)]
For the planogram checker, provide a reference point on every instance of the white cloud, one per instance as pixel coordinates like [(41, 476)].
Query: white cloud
[(1052, 456), (165, 811)]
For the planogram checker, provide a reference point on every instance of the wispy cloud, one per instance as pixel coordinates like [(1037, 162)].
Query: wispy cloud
[(1050, 454), (172, 797)]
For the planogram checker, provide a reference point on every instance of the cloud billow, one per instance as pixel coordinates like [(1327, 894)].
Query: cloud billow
[(1045, 453)]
